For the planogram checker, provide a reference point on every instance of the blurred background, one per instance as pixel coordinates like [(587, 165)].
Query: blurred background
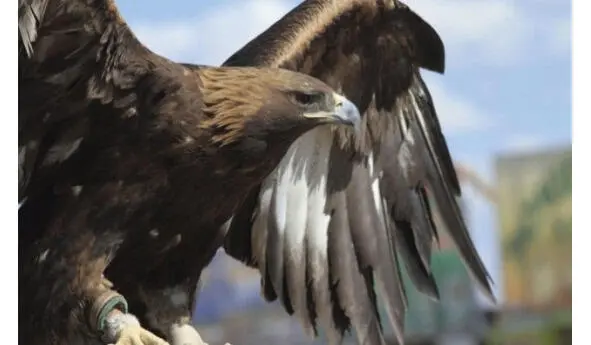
[(505, 107)]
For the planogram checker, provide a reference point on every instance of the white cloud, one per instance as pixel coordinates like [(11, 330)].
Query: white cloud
[(499, 31), (523, 143), (457, 115), (214, 35), (484, 30)]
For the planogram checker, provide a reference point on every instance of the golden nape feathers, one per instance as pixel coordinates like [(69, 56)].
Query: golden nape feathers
[(250, 101)]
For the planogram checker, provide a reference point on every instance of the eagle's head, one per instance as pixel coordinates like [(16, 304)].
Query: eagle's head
[(269, 105), (257, 113)]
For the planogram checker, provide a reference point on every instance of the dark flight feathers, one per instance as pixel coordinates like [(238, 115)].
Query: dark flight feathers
[(329, 226), (73, 65)]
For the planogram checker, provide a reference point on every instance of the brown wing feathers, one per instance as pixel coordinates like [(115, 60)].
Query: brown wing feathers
[(72, 64), (442, 181), (376, 208), (30, 15)]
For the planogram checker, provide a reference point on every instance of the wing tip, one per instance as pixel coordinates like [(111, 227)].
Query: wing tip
[(487, 286), (430, 47)]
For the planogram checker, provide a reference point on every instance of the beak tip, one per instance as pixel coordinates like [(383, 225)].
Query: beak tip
[(347, 112)]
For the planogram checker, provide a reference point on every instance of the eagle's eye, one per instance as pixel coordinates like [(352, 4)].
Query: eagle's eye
[(306, 98)]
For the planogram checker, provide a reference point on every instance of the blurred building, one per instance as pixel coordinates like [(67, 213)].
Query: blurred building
[(535, 218), (534, 203)]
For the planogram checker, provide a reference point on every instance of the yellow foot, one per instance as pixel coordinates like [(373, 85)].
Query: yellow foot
[(125, 329), (135, 335), (107, 283)]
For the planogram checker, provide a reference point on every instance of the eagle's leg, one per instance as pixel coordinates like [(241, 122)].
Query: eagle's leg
[(169, 311), (109, 314), (76, 289), (182, 332), (124, 329), (107, 283)]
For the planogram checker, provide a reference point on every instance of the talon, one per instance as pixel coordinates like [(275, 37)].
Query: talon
[(135, 335), (124, 329), (107, 283)]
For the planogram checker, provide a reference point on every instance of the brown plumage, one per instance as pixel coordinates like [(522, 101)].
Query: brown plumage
[(129, 164), (329, 225)]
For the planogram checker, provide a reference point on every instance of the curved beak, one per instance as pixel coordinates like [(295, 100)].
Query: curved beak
[(343, 112), (346, 112)]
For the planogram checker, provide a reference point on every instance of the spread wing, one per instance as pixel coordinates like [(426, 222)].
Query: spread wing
[(329, 225), (77, 59)]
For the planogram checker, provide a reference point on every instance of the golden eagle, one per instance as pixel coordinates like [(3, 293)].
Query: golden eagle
[(123, 194), (129, 165)]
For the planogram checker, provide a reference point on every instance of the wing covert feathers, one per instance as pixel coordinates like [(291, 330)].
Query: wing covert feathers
[(76, 58)]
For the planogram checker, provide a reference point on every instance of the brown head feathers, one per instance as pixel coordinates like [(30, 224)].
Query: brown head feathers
[(241, 102)]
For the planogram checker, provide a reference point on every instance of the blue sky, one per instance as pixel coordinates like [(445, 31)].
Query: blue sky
[(507, 86)]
